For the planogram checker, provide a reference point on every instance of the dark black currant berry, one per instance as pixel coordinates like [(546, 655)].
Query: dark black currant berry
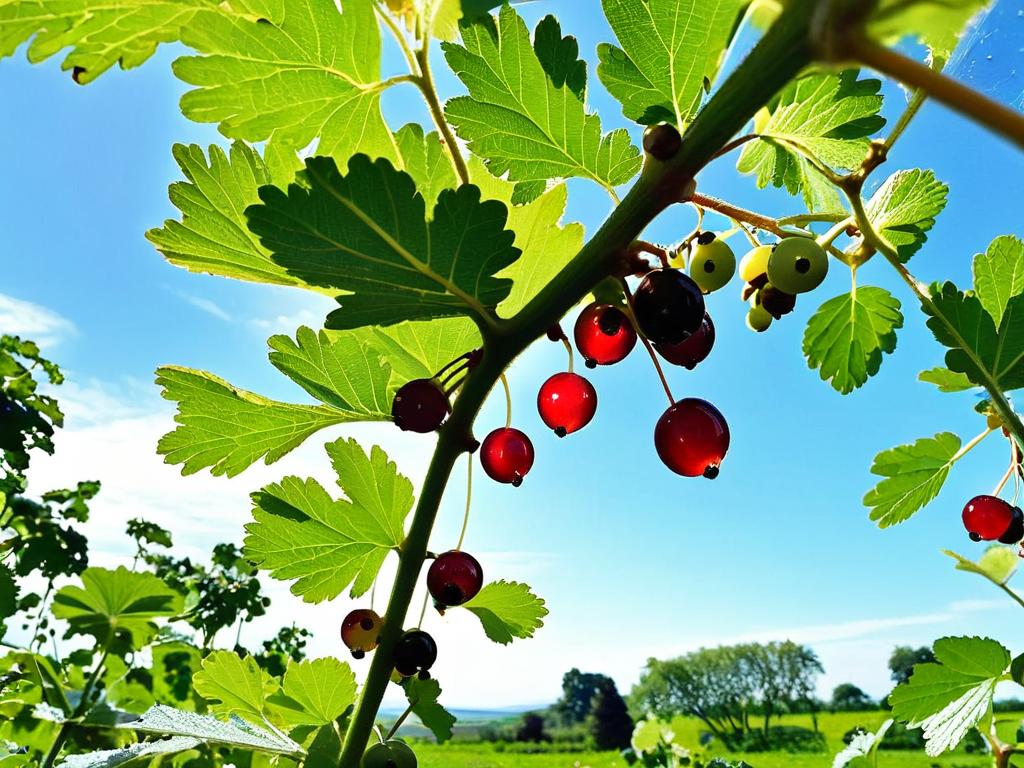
[(454, 578), (420, 406), (777, 303), (668, 305), (415, 651), (693, 349), (1016, 530), (662, 141)]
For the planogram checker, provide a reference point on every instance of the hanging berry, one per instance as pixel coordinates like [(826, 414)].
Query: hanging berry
[(454, 578), (506, 455), (415, 652), (755, 263), (797, 265), (420, 406), (692, 350), (360, 631), (662, 141), (713, 263), (775, 302), (603, 334), (567, 402), (989, 518), (668, 305), (392, 753), (692, 438)]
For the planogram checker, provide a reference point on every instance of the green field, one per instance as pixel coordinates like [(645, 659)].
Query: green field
[(462, 754)]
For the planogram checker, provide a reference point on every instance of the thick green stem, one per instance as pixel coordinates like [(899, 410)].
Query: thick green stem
[(776, 59)]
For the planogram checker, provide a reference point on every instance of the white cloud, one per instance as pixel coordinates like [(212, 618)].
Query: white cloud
[(33, 321), (208, 306)]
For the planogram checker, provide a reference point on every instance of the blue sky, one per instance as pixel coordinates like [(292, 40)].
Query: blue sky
[(633, 560)]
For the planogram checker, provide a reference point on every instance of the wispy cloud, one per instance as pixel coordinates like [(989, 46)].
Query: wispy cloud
[(33, 321), (208, 306)]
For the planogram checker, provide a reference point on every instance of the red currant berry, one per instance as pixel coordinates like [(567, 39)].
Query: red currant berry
[(692, 350), (692, 438), (420, 406), (360, 631), (603, 335), (669, 306), (454, 578), (567, 402), (415, 652), (507, 455), (989, 518)]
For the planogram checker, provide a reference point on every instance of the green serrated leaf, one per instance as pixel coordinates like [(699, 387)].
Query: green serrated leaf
[(236, 732), (507, 610), (299, 532), (337, 369), (997, 564), (914, 475), (423, 697), (233, 685), (547, 246), (904, 209), (946, 699), (424, 157), (935, 23), (846, 338), (669, 50), (976, 348), (143, 751), (946, 380), (862, 748), (318, 691), (367, 232), (418, 350), (228, 429), (213, 236), (115, 603), (999, 275), (829, 116), (524, 114), (312, 72)]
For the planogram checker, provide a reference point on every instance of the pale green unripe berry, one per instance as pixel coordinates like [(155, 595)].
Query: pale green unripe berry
[(755, 263), (797, 265), (713, 263)]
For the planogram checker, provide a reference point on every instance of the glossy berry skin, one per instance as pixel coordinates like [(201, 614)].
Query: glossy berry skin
[(360, 631), (692, 438), (389, 754), (420, 406), (775, 302), (454, 578), (567, 402), (692, 350), (989, 518), (668, 305), (662, 141), (507, 455), (797, 265), (713, 263), (758, 319), (755, 263), (415, 652), (603, 335)]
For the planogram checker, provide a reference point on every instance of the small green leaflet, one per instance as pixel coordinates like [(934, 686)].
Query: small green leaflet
[(116, 603), (144, 750), (507, 610), (936, 23), (213, 235), (846, 338), (913, 476), (904, 209), (829, 116), (999, 275), (423, 696), (418, 350), (424, 157), (99, 34), (316, 691), (235, 732), (367, 232), (8, 594), (525, 113), (976, 349), (547, 246), (861, 750), (310, 72), (668, 50), (338, 370), (997, 564), (300, 533), (946, 380), (232, 685), (228, 429), (948, 698)]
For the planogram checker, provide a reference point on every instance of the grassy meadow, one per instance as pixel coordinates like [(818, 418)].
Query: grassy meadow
[(469, 754)]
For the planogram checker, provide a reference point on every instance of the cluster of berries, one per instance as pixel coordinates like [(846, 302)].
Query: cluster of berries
[(775, 274), (989, 518)]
